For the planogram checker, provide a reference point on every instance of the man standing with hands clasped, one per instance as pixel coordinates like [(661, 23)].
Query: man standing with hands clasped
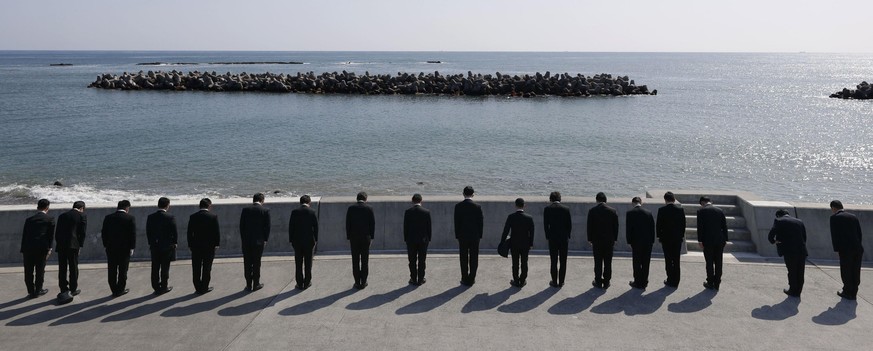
[(417, 234), (303, 235), (360, 230), (640, 231), (119, 239), (204, 237), (519, 229), (602, 235), (36, 246), (712, 235), (70, 238), (846, 238), (469, 223), (557, 225), (671, 234), (789, 235), (254, 231), (163, 236)]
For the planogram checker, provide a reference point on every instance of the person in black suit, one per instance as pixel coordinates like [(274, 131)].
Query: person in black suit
[(846, 239), (70, 238), (469, 222), (789, 235), (163, 236), (360, 230), (519, 230), (417, 235), (640, 232), (557, 225), (204, 237), (254, 231), (712, 235), (36, 247), (671, 234), (119, 239), (602, 235), (303, 235)]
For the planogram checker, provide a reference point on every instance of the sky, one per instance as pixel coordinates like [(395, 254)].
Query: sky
[(439, 25)]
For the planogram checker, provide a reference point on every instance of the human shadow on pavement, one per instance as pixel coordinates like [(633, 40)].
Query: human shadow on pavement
[(648, 303), (257, 305), (840, 314), (430, 303), (530, 302), (780, 311), (485, 301), (695, 303), (4, 315), (144, 310), (317, 304), (377, 300), (13, 302), (617, 304), (183, 311), (577, 304), (79, 312)]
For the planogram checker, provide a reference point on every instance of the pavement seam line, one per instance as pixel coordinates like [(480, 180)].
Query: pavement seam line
[(835, 280), (260, 310)]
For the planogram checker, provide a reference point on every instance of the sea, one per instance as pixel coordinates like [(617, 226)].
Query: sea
[(752, 122)]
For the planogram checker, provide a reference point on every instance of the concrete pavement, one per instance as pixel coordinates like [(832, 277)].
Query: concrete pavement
[(749, 313)]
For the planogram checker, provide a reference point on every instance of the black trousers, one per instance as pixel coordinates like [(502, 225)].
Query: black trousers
[(34, 270), (713, 254), (796, 265), (558, 255), (252, 263), (672, 252), (161, 268), (469, 252), (602, 262), (519, 258), (642, 257), (417, 253), (303, 263), (850, 271), (201, 267), (68, 261), (117, 261), (360, 259)]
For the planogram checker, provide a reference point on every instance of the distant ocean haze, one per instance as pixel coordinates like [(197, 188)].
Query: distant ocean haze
[(751, 122)]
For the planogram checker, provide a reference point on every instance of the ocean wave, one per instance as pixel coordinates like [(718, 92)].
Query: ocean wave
[(20, 193)]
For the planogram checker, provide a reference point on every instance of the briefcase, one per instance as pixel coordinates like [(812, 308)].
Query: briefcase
[(503, 248)]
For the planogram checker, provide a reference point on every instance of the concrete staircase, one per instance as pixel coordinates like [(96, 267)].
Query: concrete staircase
[(739, 235)]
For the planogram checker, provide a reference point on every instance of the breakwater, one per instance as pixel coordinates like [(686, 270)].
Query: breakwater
[(526, 85), (862, 91)]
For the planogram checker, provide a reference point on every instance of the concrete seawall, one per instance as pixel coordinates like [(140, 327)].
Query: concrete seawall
[(389, 223)]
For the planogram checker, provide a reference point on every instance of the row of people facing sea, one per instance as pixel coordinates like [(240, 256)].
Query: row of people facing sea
[(203, 233)]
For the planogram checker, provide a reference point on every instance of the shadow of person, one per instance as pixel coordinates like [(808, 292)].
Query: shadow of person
[(648, 303), (695, 303), (204, 306), (780, 311), (577, 304), (144, 310), (530, 302), (25, 309), (260, 304), (618, 304), (485, 301), (377, 300), (315, 305), (76, 313), (842, 313), (13, 302), (432, 302)]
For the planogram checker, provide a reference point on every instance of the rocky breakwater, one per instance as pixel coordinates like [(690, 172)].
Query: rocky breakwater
[(863, 91), (434, 83)]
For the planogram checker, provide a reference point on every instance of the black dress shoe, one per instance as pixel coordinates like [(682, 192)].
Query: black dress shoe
[(307, 285), (364, 285), (299, 287), (515, 283), (412, 282), (845, 296), (204, 291), (257, 287), (76, 292), (358, 286), (422, 281), (674, 286), (554, 284), (595, 284), (120, 293), (605, 285), (466, 282), (633, 285), (710, 286)]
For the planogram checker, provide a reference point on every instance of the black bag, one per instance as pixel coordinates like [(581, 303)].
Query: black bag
[(503, 248)]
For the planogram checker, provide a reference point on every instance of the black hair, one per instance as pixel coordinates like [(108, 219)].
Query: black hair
[(305, 199), (123, 204), (468, 191), (163, 202), (80, 205), (669, 197), (519, 202), (42, 204), (600, 197), (837, 204), (205, 203), (416, 198), (259, 197), (362, 196), (555, 196)]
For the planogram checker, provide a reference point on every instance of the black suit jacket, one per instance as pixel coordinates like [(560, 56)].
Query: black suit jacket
[(360, 222), (119, 231), (203, 230), (38, 232), (254, 225), (469, 220), (640, 227), (416, 225), (671, 223), (602, 224), (557, 222), (846, 232), (161, 230), (303, 227), (791, 235), (521, 225), (70, 231), (711, 226)]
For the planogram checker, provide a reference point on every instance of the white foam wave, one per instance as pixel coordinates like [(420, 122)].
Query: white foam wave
[(83, 192)]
